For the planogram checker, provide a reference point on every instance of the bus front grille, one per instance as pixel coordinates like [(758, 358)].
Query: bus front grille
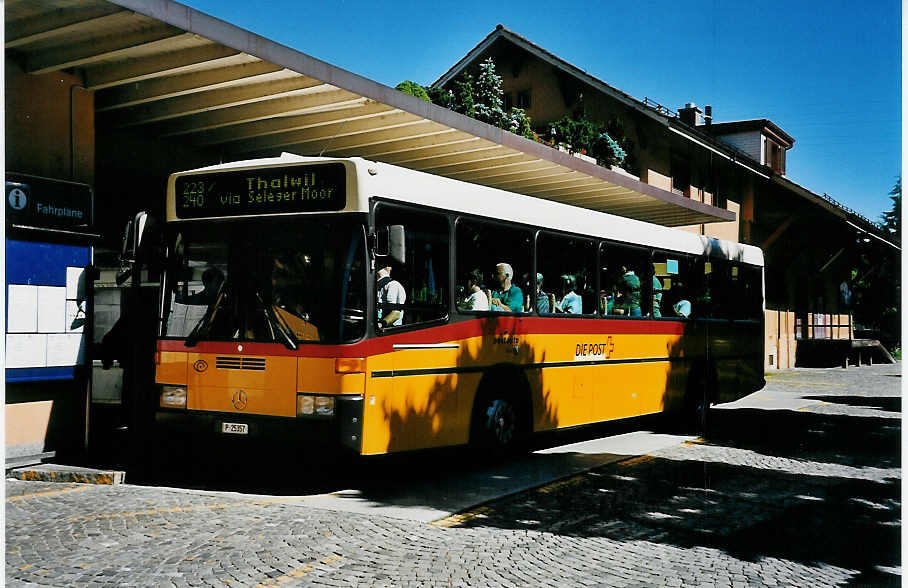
[(240, 363)]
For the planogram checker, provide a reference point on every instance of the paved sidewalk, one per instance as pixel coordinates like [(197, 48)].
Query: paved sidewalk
[(799, 485)]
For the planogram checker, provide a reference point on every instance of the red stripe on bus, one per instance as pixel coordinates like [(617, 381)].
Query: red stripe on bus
[(490, 327)]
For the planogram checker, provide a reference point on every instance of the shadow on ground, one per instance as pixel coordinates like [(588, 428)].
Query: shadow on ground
[(890, 404), (807, 487), (240, 465)]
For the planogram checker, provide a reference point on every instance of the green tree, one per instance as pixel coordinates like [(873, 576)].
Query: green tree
[(877, 279), (482, 98), (463, 96), (519, 123), (892, 219), (413, 89), (488, 95), (441, 96)]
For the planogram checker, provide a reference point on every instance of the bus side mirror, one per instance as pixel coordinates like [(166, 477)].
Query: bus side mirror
[(391, 242), (135, 244)]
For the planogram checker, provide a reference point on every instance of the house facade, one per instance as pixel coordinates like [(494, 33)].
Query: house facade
[(810, 241)]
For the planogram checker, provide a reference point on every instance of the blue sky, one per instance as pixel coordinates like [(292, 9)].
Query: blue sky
[(828, 73)]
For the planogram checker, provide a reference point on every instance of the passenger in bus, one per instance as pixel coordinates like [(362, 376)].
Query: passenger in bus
[(606, 302), (571, 302), (586, 288), (608, 293), (477, 299), (543, 306), (508, 297), (629, 292), (657, 297), (212, 278), (543, 300), (389, 291), (681, 306)]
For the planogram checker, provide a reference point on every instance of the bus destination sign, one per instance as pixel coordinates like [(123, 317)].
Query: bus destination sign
[(277, 190)]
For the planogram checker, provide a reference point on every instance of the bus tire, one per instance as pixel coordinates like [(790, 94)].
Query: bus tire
[(500, 420)]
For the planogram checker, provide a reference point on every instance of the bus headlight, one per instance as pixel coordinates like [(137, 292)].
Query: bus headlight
[(324, 406), (318, 406), (173, 396)]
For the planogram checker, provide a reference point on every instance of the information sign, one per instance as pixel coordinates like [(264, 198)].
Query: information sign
[(45, 203)]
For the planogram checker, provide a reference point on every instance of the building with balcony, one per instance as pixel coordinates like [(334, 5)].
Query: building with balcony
[(811, 242)]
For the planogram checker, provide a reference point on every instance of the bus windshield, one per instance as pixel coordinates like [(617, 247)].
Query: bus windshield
[(299, 280)]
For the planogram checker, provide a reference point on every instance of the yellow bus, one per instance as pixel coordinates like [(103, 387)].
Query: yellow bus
[(386, 310)]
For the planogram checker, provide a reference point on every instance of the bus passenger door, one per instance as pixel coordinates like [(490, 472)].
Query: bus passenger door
[(413, 297)]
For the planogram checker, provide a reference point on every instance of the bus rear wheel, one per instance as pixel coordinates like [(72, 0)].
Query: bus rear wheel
[(697, 414)]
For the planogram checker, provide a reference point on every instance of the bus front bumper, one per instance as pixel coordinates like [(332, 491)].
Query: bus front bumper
[(344, 428)]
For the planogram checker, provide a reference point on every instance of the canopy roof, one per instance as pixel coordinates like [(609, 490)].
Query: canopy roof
[(170, 72)]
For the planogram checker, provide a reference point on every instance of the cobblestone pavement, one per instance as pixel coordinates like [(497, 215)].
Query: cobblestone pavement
[(805, 496)]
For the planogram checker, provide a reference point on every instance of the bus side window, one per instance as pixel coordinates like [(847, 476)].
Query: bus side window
[(671, 285), (424, 276), (714, 296), (565, 273), (491, 248), (625, 278), (750, 293), (726, 296)]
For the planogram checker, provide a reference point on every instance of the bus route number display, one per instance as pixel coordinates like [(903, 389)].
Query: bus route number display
[(277, 190)]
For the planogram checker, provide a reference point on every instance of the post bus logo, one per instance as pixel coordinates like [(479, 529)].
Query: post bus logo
[(240, 400), (200, 366)]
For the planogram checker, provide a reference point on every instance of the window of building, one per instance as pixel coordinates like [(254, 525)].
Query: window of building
[(523, 99), (625, 277), (681, 175), (566, 267), (775, 156), (508, 101), (499, 256), (422, 291)]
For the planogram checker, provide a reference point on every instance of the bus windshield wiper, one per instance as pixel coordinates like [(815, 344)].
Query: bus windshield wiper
[(193, 338), (274, 322)]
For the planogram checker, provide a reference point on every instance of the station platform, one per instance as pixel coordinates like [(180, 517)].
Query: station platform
[(841, 352)]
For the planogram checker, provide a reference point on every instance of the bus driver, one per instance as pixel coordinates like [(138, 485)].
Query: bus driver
[(389, 292)]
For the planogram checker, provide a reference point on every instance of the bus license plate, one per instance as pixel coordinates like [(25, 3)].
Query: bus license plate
[(235, 428)]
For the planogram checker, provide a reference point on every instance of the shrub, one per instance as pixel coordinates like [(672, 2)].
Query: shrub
[(581, 135), (413, 89), (441, 96), (483, 99)]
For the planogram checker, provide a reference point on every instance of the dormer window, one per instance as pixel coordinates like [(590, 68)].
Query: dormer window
[(761, 139), (773, 156)]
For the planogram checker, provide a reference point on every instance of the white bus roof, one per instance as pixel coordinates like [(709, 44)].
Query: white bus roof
[(370, 179)]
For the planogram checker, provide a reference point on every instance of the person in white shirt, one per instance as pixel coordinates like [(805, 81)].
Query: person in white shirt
[(389, 291), (476, 299), (571, 302)]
